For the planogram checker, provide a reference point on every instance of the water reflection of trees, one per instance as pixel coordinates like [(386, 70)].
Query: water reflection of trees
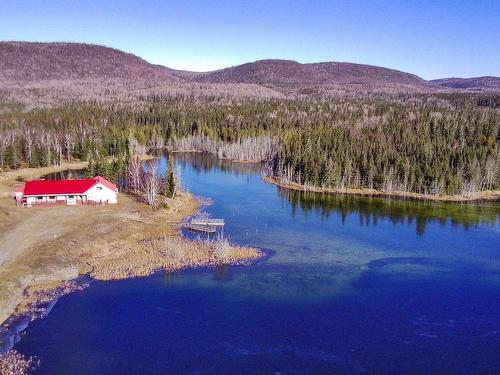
[(208, 162), (371, 209), (66, 174)]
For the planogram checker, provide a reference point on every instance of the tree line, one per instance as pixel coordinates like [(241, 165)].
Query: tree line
[(446, 144), (130, 175)]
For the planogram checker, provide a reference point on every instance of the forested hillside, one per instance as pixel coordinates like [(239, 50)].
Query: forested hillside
[(37, 75), (41, 75), (475, 84), (286, 72), (22, 62), (446, 144)]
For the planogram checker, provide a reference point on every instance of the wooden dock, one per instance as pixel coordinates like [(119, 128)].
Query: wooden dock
[(204, 224), (207, 221), (200, 228)]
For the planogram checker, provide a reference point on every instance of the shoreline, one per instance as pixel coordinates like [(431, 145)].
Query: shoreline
[(488, 195), (479, 196), (141, 255), (111, 242)]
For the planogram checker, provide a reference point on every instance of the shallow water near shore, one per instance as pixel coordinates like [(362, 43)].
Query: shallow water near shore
[(350, 285)]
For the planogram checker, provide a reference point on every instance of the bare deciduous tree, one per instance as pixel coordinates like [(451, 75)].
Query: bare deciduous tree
[(3, 147), (57, 146), (134, 174), (151, 187), (492, 169), (254, 149), (68, 145), (45, 140), (29, 140)]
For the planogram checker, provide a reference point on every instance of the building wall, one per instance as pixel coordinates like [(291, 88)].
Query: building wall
[(30, 200), (57, 199), (101, 194)]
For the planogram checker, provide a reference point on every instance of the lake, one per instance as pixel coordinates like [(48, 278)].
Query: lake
[(349, 285)]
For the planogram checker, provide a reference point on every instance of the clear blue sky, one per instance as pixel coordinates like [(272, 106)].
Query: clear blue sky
[(428, 38)]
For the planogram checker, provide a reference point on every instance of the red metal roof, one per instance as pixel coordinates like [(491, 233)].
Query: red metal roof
[(63, 187)]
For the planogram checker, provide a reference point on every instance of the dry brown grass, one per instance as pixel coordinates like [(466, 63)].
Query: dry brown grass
[(165, 254)]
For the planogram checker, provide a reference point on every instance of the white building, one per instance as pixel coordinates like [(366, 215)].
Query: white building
[(96, 190)]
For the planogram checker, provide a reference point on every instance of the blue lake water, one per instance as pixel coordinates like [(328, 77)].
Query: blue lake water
[(350, 285)]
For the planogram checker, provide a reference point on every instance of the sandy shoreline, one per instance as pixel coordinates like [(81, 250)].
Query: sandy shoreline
[(484, 195)]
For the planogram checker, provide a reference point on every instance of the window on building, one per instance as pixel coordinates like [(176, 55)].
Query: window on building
[(99, 188), (71, 197), (39, 198)]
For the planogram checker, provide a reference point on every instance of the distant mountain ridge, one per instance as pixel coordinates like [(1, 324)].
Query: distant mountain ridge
[(28, 63), (292, 72), (486, 83), (34, 62)]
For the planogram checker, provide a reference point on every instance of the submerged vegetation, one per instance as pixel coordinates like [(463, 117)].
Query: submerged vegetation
[(14, 363), (430, 144)]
